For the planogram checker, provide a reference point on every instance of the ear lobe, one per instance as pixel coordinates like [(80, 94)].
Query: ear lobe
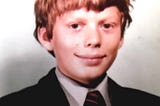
[(43, 38), (121, 42)]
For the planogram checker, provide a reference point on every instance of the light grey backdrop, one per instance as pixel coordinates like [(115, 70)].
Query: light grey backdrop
[(23, 61)]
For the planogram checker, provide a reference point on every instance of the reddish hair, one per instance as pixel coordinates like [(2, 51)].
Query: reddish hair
[(46, 11)]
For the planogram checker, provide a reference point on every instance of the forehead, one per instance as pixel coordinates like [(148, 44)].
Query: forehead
[(108, 13)]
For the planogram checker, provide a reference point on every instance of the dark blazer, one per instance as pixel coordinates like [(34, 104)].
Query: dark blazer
[(49, 93)]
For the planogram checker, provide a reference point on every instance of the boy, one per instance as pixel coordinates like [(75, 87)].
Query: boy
[(84, 36)]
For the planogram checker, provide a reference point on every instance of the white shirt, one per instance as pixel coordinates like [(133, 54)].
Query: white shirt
[(76, 94)]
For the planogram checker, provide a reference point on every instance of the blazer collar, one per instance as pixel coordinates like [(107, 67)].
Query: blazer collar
[(50, 87)]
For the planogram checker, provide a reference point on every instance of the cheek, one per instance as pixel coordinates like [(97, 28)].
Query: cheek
[(63, 45), (112, 46)]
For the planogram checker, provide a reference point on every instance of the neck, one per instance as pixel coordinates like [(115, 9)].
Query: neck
[(93, 83)]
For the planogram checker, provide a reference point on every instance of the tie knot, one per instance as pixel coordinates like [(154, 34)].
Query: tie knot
[(94, 98)]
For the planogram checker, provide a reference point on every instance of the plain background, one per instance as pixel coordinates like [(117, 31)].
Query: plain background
[(23, 61)]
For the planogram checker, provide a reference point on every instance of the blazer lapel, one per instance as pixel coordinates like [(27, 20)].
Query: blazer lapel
[(115, 93), (50, 88)]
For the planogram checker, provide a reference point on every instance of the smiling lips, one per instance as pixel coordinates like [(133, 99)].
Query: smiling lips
[(91, 60)]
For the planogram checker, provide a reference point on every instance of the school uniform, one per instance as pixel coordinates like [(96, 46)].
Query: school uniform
[(49, 92)]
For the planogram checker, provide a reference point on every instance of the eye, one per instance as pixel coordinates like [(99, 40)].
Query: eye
[(75, 26), (107, 26)]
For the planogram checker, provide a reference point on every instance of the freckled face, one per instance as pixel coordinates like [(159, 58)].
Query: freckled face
[(85, 43)]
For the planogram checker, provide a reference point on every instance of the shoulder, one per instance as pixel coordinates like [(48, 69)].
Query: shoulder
[(40, 93), (19, 97), (129, 96)]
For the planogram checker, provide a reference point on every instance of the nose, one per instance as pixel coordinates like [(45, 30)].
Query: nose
[(92, 38)]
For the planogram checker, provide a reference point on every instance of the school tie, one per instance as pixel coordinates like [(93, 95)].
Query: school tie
[(94, 98)]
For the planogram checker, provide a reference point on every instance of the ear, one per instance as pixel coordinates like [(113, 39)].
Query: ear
[(43, 38), (121, 42)]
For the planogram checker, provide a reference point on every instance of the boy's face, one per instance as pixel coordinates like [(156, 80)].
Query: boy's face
[(85, 43)]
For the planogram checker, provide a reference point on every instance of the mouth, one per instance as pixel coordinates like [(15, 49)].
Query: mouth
[(91, 60)]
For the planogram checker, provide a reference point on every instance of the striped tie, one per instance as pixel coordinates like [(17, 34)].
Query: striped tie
[(94, 98)]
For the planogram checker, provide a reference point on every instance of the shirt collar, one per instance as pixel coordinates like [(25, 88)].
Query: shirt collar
[(79, 92)]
